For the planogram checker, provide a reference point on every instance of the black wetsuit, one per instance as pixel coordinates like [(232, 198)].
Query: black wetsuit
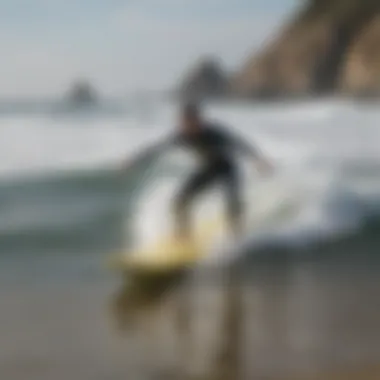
[(215, 147)]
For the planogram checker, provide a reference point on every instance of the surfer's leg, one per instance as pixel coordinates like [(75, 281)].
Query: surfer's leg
[(234, 198), (197, 182)]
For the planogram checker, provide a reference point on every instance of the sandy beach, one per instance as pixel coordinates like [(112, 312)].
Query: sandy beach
[(304, 321)]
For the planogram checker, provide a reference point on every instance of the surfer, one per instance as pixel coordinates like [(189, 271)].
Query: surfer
[(216, 148)]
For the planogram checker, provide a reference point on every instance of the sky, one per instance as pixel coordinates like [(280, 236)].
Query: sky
[(124, 46)]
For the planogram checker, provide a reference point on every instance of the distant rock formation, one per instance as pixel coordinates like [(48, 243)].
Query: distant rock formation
[(82, 93), (331, 46), (206, 79)]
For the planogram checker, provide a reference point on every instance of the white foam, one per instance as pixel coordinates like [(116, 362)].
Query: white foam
[(310, 181), (313, 144)]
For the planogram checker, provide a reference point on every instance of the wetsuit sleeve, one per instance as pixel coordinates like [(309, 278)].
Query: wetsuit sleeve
[(151, 152), (243, 146)]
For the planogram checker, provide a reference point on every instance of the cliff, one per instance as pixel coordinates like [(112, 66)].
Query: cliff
[(331, 46), (361, 69), (328, 47)]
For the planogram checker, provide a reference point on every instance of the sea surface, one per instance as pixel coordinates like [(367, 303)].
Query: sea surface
[(309, 270)]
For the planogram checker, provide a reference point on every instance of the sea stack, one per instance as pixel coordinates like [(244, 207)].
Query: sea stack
[(206, 80), (82, 93)]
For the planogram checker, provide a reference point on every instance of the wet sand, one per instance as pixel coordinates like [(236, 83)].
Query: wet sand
[(306, 321)]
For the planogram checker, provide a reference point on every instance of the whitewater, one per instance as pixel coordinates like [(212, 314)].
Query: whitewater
[(63, 188)]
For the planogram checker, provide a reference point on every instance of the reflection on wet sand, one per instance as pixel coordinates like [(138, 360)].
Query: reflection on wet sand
[(305, 321), (140, 301), (143, 302), (139, 297)]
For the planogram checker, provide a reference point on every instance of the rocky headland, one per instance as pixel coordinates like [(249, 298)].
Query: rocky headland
[(329, 47)]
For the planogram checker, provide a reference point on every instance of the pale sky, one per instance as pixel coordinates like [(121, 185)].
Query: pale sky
[(125, 45)]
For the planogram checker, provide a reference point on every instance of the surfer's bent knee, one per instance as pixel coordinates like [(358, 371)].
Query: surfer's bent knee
[(180, 204), (235, 208)]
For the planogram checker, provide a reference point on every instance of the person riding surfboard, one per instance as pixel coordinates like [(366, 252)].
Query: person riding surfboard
[(216, 148)]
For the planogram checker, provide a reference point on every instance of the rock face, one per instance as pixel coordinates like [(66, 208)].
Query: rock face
[(82, 93), (331, 46), (328, 47), (289, 65), (207, 79), (361, 70)]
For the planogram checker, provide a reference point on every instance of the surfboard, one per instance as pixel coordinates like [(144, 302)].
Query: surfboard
[(169, 253)]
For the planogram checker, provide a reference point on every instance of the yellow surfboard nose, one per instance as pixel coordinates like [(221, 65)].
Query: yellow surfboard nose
[(170, 252)]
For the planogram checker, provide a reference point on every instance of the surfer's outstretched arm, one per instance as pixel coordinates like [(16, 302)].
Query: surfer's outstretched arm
[(151, 152)]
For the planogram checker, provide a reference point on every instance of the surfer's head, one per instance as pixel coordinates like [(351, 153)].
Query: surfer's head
[(190, 118)]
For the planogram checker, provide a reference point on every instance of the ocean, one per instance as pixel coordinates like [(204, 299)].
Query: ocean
[(309, 264)]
